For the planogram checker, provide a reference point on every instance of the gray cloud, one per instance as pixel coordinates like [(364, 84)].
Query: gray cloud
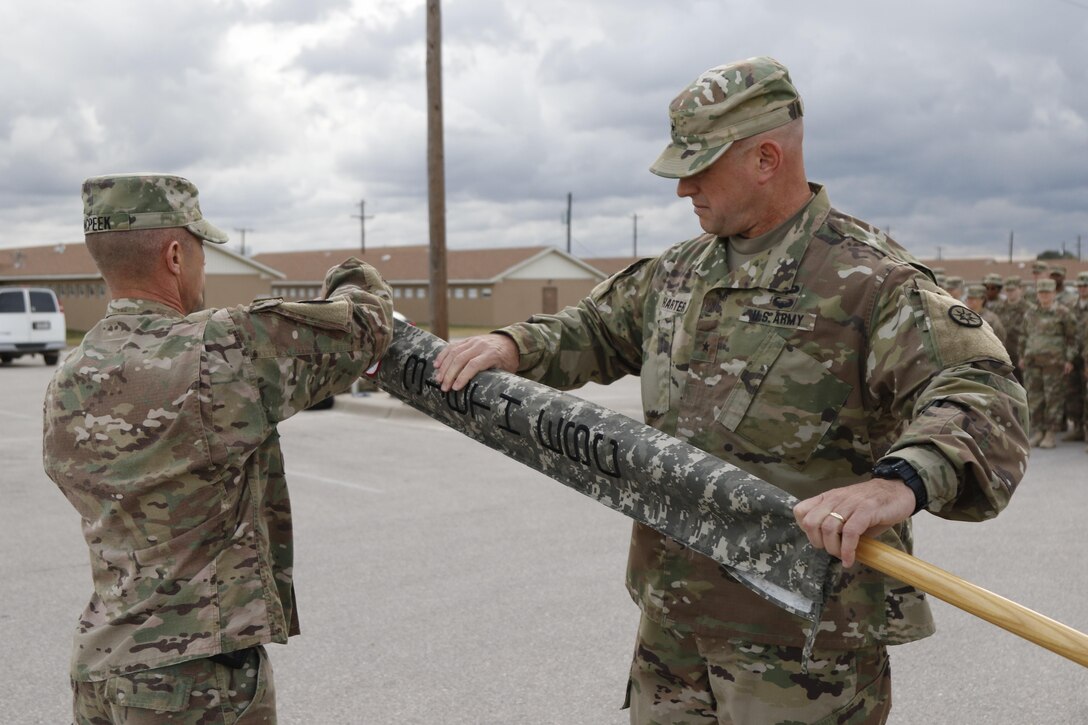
[(949, 122)]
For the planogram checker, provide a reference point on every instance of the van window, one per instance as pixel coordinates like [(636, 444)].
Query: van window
[(42, 302), (12, 301)]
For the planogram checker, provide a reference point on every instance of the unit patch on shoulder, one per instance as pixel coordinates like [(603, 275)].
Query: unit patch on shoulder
[(965, 316), (958, 334)]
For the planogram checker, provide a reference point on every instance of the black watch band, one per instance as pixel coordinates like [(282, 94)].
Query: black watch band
[(898, 468)]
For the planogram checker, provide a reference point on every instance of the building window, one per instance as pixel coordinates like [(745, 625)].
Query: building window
[(473, 293), (421, 292), (459, 293), (396, 293), (101, 290), (485, 292), (409, 292)]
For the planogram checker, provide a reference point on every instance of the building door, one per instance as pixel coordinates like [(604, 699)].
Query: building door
[(551, 301)]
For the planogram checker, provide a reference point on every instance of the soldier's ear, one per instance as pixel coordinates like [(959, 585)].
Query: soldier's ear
[(172, 256)]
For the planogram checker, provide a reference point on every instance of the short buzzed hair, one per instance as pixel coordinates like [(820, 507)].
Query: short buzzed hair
[(131, 255)]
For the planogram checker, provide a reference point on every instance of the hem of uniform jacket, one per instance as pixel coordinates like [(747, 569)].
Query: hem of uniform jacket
[(734, 631), (240, 644)]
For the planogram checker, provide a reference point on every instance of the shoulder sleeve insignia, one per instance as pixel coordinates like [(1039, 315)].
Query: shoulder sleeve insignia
[(965, 316), (958, 334)]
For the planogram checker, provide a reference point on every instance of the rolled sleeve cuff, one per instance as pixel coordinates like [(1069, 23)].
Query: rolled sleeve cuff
[(530, 348), (939, 476)]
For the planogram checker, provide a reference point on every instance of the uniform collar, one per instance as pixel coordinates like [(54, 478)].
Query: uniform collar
[(776, 268), (135, 306)]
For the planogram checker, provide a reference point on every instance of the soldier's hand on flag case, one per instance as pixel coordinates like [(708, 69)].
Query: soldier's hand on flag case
[(459, 361)]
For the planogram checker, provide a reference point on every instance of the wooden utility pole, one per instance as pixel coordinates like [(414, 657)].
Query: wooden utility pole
[(242, 231), (436, 173), (569, 199), (634, 240), (362, 217), (1010, 246)]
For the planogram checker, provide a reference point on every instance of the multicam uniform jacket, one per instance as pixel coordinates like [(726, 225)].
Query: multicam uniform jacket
[(161, 430), (804, 366), (1012, 317), (1050, 336)]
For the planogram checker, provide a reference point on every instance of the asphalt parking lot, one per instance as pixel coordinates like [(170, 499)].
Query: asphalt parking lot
[(439, 582)]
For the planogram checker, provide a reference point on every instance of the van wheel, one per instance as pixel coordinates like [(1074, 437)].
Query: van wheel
[(51, 358), (6, 359)]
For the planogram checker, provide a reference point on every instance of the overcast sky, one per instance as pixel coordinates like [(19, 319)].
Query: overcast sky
[(951, 123)]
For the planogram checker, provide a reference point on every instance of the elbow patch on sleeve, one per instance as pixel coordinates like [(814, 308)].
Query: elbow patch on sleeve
[(334, 314), (958, 334)]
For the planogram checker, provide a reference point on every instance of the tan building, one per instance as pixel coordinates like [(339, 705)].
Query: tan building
[(487, 287), (69, 270)]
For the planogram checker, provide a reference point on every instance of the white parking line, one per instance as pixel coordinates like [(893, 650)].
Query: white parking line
[(333, 481)]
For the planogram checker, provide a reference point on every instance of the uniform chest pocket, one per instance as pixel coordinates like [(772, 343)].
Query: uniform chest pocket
[(784, 401)]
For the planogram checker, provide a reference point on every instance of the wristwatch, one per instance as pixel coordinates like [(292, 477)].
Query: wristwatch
[(898, 468)]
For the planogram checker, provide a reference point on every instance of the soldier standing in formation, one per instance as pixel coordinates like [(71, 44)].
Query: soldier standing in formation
[(954, 287), (1039, 270), (1075, 393), (865, 403), (976, 301), (1011, 310), (1047, 349), (993, 284), (1064, 294), (160, 429)]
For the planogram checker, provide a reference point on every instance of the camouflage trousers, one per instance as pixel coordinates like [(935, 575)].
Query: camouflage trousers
[(1074, 395), (1045, 386), (687, 679), (197, 692)]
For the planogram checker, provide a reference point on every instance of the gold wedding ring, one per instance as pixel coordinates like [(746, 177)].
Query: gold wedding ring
[(837, 516)]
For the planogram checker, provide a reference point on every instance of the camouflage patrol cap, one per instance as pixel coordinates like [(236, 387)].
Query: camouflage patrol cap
[(1012, 282), (1039, 267), (993, 278), (1045, 285), (953, 282), (976, 290), (1058, 270), (1082, 279), (723, 105), (125, 202)]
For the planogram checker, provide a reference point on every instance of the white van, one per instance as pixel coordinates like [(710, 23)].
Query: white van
[(31, 321)]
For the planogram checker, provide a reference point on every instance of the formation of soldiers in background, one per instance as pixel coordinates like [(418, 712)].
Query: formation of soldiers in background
[(1044, 326)]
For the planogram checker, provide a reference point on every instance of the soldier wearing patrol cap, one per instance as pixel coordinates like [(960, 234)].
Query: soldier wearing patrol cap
[(954, 287), (160, 429), (810, 349), (993, 284), (976, 301), (1011, 310), (1039, 270), (1047, 349), (1075, 383), (1063, 294)]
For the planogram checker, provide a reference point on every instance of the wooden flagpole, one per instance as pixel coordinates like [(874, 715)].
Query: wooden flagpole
[(973, 599)]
